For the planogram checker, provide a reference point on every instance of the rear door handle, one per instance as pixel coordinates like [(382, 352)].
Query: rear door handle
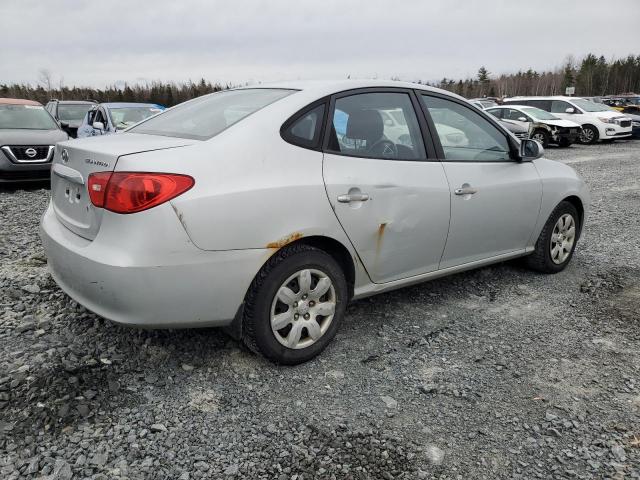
[(465, 191), (353, 197)]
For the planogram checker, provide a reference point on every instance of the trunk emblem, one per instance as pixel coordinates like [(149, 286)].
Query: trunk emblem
[(96, 162), (65, 156), (30, 152)]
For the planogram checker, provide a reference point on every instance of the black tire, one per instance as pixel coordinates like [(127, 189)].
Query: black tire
[(540, 260), (257, 333), (565, 143), (542, 136), (589, 135)]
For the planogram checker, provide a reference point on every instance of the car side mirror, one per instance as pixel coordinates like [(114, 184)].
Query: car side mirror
[(98, 125), (522, 119), (530, 150), (570, 110)]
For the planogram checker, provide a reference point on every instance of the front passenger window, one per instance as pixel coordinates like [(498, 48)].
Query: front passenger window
[(464, 134)]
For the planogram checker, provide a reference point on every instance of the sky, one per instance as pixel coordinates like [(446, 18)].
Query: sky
[(99, 43)]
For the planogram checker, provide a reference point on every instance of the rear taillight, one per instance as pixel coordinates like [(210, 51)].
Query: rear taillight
[(131, 192)]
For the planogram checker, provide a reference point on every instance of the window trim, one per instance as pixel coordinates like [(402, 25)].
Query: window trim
[(425, 133), (513, 147), (297, 116)]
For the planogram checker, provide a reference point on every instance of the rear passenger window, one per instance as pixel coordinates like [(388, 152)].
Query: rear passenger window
[(305, 130), (376, 125), (541, 104)]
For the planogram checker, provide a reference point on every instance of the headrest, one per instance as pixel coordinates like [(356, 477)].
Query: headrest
[(365, 125)]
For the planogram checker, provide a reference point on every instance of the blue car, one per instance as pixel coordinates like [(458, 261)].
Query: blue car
[(107, 118)]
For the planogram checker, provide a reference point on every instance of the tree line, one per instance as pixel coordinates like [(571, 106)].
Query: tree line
[(167, 94), (591, 76)]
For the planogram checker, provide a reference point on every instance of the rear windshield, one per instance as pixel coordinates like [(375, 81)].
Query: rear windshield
[(205, 117), (26, 117), (72, 113)]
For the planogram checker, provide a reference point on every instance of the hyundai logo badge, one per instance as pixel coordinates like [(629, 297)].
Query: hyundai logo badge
[(65, 156)]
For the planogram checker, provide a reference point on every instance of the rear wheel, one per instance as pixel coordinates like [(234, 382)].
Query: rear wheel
[(295, 305), (541, 136), (557, 241), (589, 134)]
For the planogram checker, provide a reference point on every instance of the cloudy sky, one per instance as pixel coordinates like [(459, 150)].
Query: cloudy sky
[(96, 43)]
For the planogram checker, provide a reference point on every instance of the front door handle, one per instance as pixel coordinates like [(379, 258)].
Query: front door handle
[(353, 197), (465, 191)]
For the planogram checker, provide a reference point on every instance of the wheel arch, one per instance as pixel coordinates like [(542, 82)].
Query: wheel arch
[(338, 251), (577, 203)]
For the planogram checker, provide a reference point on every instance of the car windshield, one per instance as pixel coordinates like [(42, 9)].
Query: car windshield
[(588, 106), (71, 112), (127, 116), (539, 114), (27, 117), (205, 117)]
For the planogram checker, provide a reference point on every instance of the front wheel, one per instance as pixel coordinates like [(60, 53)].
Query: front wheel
[(557, 241), (542, 137), (295, 305), (589, 134)]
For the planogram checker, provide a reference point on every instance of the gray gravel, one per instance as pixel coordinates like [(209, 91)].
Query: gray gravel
[(496, 373)]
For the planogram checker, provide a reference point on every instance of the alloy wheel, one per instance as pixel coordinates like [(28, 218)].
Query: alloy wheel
[(587, 135), (303, 308), (563, 238)]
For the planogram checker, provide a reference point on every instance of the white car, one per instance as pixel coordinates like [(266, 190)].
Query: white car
[(598, 121), (265, 222), (559, 131)]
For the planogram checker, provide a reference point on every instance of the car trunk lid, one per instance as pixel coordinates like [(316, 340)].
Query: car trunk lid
[(75, 160)]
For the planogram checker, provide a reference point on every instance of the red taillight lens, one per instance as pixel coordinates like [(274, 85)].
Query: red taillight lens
[(97, 185), (131, 192)]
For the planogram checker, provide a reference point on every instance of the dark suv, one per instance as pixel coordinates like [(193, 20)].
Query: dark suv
[(69, 113), (28, 136)]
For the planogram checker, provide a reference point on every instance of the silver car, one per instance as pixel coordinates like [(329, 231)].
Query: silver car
[(246, 209)]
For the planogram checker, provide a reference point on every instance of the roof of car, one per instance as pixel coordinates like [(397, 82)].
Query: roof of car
[(71, 102), (18, 101), (331, 86), (128, 104)]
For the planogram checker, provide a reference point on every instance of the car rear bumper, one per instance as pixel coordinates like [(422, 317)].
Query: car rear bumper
[(199, 289)]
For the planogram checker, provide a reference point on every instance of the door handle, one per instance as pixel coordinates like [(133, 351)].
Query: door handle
[(465, 191), (353, 197)]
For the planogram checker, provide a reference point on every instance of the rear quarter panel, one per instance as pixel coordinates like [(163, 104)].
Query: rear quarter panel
[(253, 190)]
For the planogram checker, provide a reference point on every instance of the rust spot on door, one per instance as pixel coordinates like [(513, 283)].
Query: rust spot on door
[(380, 237), (285, 240)]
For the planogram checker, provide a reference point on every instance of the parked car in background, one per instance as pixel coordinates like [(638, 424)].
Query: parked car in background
[(545, 127), (69, 113), (483, 103), (268, 223), (28, 134), (519, 131), (107, 118), (598, 121), (635, 123)]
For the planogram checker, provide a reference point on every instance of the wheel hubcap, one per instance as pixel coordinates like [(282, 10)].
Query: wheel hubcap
[(563, 238), (303, 309), (538, 137), (587, 135)]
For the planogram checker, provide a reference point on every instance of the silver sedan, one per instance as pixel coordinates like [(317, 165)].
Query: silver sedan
[(267, 209)]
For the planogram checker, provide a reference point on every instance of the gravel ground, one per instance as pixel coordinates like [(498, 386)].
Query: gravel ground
[(497, 373)]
